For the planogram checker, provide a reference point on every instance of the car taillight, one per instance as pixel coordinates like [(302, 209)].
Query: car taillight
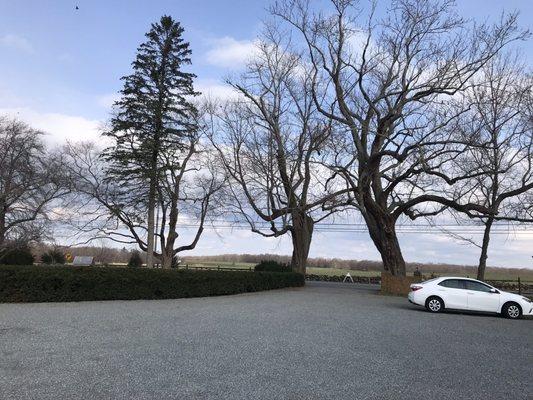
[(415, 288)]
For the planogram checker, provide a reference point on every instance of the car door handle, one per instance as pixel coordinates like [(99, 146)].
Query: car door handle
[(469, 293)]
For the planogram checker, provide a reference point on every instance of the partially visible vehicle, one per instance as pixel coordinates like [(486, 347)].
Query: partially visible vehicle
[(468, 294)]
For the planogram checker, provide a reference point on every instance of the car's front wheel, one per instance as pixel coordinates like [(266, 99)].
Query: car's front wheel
[(511, 310), (434, 304)]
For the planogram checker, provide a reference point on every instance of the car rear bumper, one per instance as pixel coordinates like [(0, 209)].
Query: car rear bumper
[(413, 298)]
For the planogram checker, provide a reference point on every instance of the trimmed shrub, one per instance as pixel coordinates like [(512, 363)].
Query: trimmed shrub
[(135, 260), (44, 284), (376, 280), (16, 254), (397, 285), (54, 256), (272, 266)]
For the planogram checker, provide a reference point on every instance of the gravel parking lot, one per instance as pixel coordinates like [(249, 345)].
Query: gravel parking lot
[(324, 341)]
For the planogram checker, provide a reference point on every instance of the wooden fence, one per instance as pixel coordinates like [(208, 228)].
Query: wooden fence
[(524, 287), (215, 268)]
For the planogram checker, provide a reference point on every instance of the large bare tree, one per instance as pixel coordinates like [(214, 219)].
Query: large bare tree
[(270, 142), (32, 181), (390, 82), (105, 210), (499, 126)]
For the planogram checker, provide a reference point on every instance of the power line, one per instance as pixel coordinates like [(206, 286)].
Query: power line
[(363, 225), (420, 229)]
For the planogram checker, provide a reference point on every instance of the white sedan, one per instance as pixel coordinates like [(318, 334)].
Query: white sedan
[(468, 294)]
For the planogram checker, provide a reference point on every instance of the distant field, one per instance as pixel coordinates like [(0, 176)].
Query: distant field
[(496, 275), (338, 271), (221, 264), (492, 274)]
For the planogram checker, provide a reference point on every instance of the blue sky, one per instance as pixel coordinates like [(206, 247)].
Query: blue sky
[(60, 70), (76, 57)]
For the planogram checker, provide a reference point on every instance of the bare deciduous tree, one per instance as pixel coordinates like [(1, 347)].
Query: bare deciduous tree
[(270, 142), (188, 188), (390, 82), (499, 126), (32, 181)]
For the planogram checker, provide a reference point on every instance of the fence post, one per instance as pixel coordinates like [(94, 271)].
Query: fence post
[(519, 286)]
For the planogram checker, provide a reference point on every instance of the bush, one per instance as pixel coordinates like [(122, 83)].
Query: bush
[(53, 256), (272, 266), (376, 280), (135, 260), (44, 283), (16, 254)]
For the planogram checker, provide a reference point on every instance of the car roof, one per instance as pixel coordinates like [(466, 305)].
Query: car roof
[(459, 277)]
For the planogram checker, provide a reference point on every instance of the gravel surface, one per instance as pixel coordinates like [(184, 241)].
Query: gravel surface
[(324, 341)]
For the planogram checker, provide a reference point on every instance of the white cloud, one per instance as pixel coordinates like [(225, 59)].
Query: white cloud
[(107, 100), (16, 42), (228, 52), (59, 127), (216, 90), (357, 40)]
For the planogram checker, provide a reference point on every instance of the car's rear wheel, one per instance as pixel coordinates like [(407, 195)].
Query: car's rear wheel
[(511, 310), (434, 304)]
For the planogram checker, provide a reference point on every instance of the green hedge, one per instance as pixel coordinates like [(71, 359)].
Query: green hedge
[(16, 254), (43, 283), (272, 266)]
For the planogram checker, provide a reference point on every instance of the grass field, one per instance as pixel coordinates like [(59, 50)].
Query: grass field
[(222, 264), (492, 274)]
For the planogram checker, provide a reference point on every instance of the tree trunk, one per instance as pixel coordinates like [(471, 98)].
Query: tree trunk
[(2, 223), (484, 250), (301, 233), (151, 225), (167, 252), (382, 231), (166, 259), (167, 248)]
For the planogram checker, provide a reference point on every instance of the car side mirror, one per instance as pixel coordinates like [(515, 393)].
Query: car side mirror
[(494, 290)]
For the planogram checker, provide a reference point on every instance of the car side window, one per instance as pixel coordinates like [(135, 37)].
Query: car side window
[(477, 286), (452, 284)]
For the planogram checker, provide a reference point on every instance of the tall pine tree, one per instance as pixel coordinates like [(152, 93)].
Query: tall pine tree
[(153, 116)]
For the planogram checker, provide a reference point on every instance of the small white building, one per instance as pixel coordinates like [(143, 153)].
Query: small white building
[(83, 261)]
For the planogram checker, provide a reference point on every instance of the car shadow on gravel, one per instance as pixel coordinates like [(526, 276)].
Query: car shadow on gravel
[(421, 309)]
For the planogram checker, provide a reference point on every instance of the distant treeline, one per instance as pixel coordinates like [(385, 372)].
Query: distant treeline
[(359, 265), (101, 254), (110, 255)]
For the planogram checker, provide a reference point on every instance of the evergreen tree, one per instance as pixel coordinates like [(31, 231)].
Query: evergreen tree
[(135, 260), (153, 117)]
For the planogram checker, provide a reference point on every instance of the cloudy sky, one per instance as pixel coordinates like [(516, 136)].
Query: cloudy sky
[(60, 70)]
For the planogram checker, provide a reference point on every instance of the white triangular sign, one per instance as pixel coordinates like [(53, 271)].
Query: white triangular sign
[(348, 276)]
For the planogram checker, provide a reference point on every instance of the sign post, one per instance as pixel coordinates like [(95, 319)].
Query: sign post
[(348, 276)]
